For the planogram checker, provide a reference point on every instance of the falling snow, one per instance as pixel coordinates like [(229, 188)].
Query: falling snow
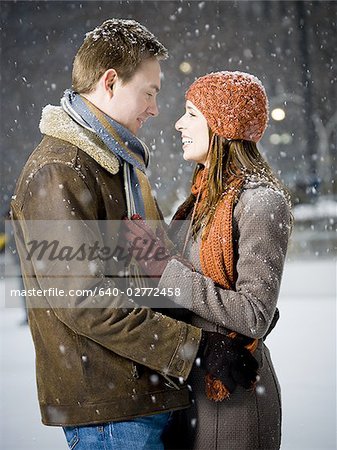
[(294, 56)]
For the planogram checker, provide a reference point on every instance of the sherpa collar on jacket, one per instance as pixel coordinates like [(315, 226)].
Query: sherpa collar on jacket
[(56, 123)]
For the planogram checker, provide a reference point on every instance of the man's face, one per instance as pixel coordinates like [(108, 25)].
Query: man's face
[(135, 101)]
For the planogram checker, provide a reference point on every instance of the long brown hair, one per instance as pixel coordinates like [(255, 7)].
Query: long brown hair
[(230, 159)]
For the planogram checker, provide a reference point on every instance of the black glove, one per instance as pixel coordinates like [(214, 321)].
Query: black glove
[(228, 360)]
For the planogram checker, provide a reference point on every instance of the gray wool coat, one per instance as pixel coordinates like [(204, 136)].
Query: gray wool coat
[(249, 420)]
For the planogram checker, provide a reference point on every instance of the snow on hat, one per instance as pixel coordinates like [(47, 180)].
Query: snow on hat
[(234, 104)]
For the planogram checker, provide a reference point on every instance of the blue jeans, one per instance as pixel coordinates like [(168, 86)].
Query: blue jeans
[(141, 433)]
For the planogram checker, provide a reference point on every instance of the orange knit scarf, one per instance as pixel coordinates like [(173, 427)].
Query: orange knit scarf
[(217, 255), (216, 251)]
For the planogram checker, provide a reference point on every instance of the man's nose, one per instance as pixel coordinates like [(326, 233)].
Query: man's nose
[(153, 109)]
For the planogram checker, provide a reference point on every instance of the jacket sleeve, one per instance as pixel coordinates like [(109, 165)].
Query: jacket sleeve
[(59, 196), (263, 228)]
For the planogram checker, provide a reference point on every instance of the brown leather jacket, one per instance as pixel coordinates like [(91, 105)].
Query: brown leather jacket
[(93, 364)]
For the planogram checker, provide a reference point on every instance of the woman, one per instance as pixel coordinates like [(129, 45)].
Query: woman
[(233, 245)]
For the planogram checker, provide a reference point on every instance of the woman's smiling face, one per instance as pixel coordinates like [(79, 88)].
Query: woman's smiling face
[(194, 134)]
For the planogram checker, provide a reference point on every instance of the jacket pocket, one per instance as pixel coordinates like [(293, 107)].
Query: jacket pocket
[(71, 436)]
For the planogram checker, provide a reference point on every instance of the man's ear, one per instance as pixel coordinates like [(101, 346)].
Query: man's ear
[(109, 78)]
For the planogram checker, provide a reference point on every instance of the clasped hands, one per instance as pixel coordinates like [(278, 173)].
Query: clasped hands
[(222, 357), (148, 247)]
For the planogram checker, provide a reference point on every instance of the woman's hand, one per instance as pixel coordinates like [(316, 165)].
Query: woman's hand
[(226, 359)]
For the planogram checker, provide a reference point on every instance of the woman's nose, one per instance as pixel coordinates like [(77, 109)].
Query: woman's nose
[(179, 125)]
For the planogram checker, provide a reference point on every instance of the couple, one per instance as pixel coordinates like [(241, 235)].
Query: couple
[(114, 375)]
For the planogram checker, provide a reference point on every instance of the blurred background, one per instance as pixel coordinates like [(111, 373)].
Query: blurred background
[(291, 47)]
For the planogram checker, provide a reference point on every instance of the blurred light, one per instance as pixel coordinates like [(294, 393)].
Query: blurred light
[(286, 138), (275, 139), (185, 67), (283, 139), (278, 114)]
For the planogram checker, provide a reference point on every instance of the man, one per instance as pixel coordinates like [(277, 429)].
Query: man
[(108, 372)]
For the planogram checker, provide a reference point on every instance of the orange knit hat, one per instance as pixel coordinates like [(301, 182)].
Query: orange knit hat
[(234, 104)]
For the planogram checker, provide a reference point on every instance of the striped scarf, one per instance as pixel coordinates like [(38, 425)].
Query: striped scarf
[(132, 153)]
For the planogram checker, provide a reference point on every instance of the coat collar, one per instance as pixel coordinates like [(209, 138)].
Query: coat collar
[(56, 123)]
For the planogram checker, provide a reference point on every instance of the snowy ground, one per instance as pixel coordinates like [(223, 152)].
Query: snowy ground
[(303, 347)]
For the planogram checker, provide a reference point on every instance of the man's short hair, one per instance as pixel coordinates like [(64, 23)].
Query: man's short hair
[(117, 43)]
